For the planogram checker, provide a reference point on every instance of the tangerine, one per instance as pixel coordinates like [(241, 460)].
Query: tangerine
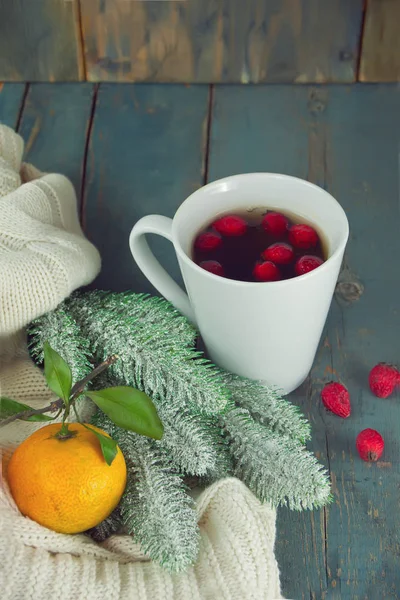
[(65, 484)]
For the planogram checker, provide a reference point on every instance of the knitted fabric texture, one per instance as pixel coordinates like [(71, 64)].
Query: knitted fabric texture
[(43, 258)]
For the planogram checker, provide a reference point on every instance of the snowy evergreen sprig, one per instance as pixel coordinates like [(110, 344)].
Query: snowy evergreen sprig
[(62, 332), (156, 347), (192, 445), (275, 467), (215, 424), (165, 523), (269, 408)]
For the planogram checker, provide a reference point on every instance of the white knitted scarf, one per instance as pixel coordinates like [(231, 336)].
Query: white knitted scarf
[(44, 256)]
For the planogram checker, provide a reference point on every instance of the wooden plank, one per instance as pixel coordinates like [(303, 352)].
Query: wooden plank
[(350, 550), (40, 41), (11, 99), (54, 125), (364, 524), (146, 154), (380, 55), (221, 40)]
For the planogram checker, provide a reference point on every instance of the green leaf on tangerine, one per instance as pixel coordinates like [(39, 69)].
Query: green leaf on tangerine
[(130, 409)]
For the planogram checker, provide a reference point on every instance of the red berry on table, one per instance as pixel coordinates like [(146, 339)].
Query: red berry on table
[(212, 266), (383, 378), (266, 271), (208, 240), (336, 398), (275, 223), (307, 263), (303, 236), (370, 445), (231, 225), (279, 253)]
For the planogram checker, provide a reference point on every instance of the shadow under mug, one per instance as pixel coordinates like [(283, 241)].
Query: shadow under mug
[(266, 331)]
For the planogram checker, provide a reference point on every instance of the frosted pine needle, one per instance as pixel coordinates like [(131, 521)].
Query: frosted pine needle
[(154, 352), (269, 408), (155, 507), (275, 467), (63, 334)]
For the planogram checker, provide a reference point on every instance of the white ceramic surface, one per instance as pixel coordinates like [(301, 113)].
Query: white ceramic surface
[(267, 331)]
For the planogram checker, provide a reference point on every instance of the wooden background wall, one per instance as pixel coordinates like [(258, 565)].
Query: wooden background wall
[(195, 41)]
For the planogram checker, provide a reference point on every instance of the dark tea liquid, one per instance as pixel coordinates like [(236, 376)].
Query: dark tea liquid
[(241, 254)]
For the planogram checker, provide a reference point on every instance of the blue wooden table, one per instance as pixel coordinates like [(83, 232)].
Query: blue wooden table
[(133, 150)]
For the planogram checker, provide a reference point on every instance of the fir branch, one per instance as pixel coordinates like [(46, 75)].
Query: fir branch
[(143, 308), (205, 434), (194, 445), (61, 331), (275, 467), (269, 408), (224, 466), (190, 442), (155, 507), (152, 342)]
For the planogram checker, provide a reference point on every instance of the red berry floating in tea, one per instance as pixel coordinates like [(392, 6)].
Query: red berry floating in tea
[(231, 225), (258, 246), (208, 241), (275, 223), (266, 271), (212, 266), (279, 253), (307, 263), (303, 236)]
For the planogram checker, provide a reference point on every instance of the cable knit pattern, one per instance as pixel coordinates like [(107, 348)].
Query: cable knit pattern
[(44, 257)]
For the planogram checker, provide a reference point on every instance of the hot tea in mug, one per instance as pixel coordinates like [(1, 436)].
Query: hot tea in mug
[(260, 254), (258, 245)]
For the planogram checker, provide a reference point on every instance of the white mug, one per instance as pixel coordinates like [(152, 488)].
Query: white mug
[(266, 331)]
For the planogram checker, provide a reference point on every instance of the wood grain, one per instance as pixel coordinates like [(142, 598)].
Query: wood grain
[(380, 55), (54, 125), (146, 154), (222, 40), (40, 41), (11, 99), (350, 550)]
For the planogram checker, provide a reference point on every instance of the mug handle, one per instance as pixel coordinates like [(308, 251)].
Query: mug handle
[(150, 266)]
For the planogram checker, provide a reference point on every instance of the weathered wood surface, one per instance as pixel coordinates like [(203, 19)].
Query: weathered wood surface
[(11, 99), (146, 154), (40, 41), (380, 53), (54, 124), (300, 41), (222, 40), (350, 551)]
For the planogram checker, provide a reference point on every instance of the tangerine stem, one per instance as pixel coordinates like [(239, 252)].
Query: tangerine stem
[(57, 404), (64, 429)]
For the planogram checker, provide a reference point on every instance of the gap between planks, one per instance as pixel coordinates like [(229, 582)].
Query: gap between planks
[(22, 107), (207, 144), (95, 92)]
